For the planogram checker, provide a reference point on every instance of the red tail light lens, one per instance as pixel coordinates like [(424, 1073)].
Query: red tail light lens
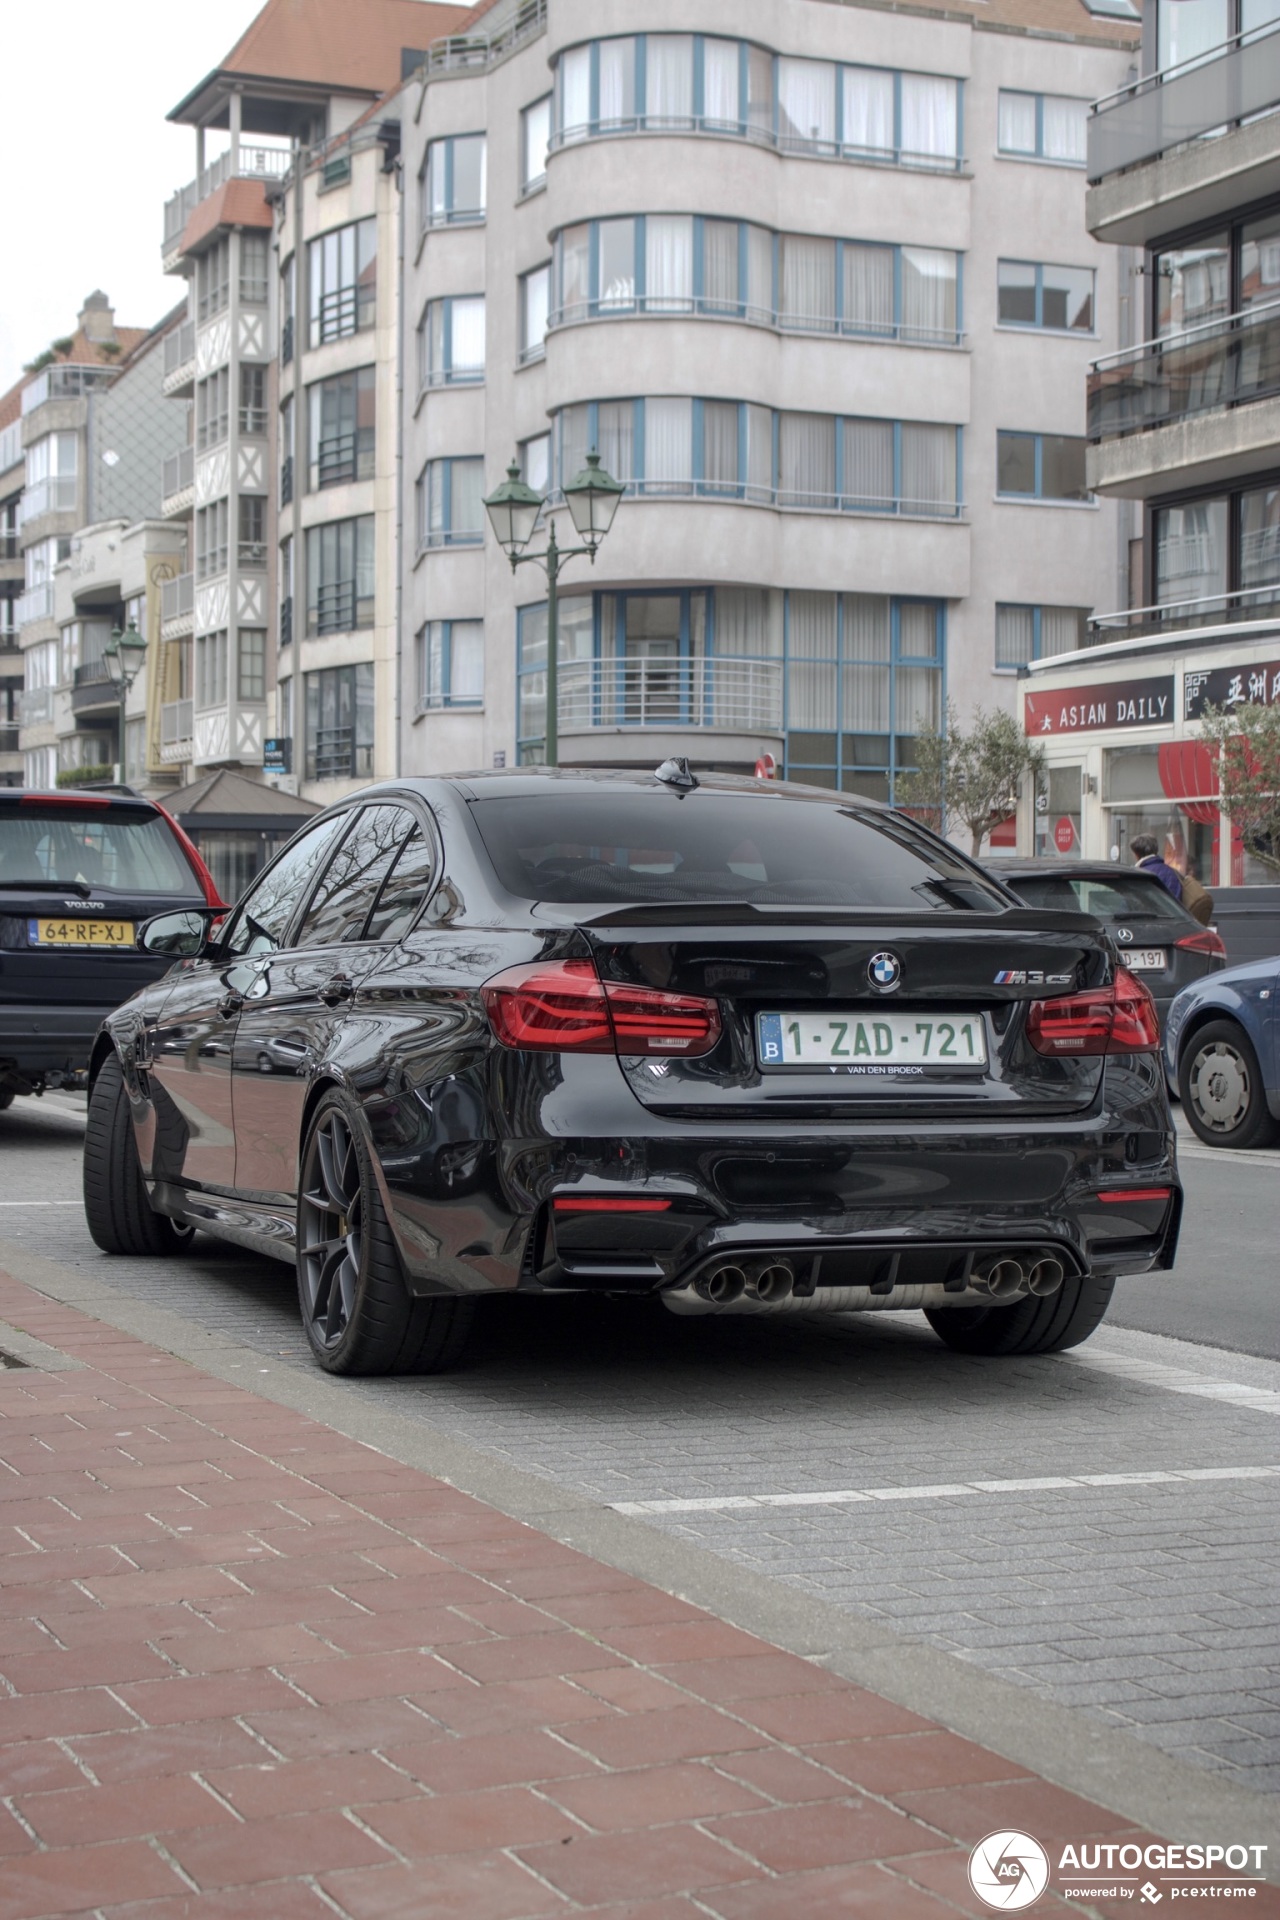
[(1206, 942), (1121, 1018), (561, 1006)]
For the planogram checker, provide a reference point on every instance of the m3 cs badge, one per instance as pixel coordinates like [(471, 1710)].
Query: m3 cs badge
[(1031, 977)]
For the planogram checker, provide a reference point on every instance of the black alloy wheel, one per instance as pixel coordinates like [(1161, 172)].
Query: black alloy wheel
[(1030, 1325), (1220, 1084), (356, 1309), (116, 1204)]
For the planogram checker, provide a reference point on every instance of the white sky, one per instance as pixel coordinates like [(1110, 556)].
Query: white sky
[(89, 159)]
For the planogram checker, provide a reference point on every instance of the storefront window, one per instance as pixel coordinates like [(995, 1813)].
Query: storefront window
[(1136, 803)]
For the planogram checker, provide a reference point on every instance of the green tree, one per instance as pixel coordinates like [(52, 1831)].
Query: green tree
[(970, 778), (1245, 742)]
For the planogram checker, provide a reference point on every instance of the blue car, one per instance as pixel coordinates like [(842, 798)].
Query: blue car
[(1222, 1052)]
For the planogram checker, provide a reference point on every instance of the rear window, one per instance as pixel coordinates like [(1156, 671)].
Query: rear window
[(99, 847), (1122, 896), (768, 849)]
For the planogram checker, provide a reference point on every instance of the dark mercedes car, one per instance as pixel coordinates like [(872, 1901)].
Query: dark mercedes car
[(79, 873), (750, 1047), (1155, 936)]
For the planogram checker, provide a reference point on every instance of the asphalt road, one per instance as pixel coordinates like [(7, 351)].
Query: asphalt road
[(1099, 1528)]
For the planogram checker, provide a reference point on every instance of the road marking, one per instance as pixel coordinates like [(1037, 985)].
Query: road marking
[(41, 1203), (846, 1496), (1150, 1373)]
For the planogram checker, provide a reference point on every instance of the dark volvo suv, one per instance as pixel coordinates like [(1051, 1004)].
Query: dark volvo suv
[(746, 1047)]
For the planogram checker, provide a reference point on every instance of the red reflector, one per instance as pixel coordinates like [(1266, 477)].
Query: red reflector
[(63, 800), (1206, 942), (600, 1205), (560, 1006), (1121, 1018), (1118, 1196)]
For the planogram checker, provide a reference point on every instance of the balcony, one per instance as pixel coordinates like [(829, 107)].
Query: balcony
[(35, 604), (1206, 616), (1198, 406), (1187, 144), (65, 383), (8, 738), (35, 707), (474, 52), (180, 359), (92, 688), (178, 483), (249, 163), (177, 606), (175, 731), (670, 696), (55, 495)]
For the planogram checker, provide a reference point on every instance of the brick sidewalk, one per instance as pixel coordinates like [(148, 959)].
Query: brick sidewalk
[(253, 1668)]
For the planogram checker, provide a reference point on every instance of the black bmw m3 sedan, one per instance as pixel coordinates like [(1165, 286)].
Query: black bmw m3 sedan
[(748, 1047)]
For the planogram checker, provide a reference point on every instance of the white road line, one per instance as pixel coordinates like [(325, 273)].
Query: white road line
[(845, 1496), (41, 1203), (1151, 1373)]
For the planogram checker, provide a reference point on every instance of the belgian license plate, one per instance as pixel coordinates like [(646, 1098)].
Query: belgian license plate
[(872, 1044), (80, 933), (1145, 959)]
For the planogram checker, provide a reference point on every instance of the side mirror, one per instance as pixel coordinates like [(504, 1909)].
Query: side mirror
[(178, 936)]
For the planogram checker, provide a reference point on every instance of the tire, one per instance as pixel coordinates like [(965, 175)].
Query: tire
[(120, 1216), (1030, 1325), (6, 1098), (357, 1312), (1221, 1088)]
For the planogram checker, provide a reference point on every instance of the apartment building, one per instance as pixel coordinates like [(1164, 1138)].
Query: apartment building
[(280, 160), (1184, 425), (12, 477), (94, 430), (818, 289)]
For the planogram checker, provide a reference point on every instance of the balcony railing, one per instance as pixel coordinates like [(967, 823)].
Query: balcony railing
[(1220, 364), (175, 729), (65, 383), (342, 457), (467, 52), (35, 706), (177, 597), (1185, 103), (54, 495), (266, 163), (334, 753), (286, 480), (741, 695), (627, 307), (91, 673), (35, 604), (1259, 602), (286, 621), (179, 473), (179, 347)]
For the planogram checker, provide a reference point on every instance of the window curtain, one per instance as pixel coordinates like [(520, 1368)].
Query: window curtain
[(743, 626), (720, 445), (575, 260), (759, 89), (812, 621), (617, 81), (759, 273), (811, 671), (668, 446), (432, 685), (928, 468), (916, 702), (1017, 123), (574, 92), (808, 282), (617, 264), (806, 102), (435, 330), (668, 262), (868, 110), (1191, 552), (466, 661), (573, 443), (928, 293), (720, 263), (929, 118), (537, 289), (720, 103), (1061, 629), (1015, 636), (759, 453), (806, 460), (868, 288), (1064, 129), (468, 330), (616, 439), (868, 464), (669, 77), (865, 676)]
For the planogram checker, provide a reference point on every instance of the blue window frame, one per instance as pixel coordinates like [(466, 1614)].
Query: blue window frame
[(1027, 633), (863, 672), (452, 181), (1042, 126), (1041, 466), (449, 505), (1030, 293)]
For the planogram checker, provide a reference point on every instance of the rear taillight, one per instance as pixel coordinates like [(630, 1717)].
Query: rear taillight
[(561, 1006), (1121, 1018), (1206, 942)]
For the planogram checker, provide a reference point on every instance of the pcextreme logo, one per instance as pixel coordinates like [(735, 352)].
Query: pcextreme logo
[(1010, 1870)]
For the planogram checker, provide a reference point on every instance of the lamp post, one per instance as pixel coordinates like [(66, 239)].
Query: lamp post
[(123, 657), (592, 498)]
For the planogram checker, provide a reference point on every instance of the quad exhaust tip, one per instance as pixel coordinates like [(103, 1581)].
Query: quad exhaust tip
[(769, 1280), (765, 1280)]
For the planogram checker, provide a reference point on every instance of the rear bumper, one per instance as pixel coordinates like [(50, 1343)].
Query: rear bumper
[(44, 1041)]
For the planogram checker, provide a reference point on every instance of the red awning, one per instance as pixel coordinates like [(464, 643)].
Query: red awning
[(1190, 779)]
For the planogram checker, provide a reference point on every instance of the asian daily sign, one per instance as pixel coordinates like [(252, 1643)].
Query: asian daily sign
[(1258, 684), (1095, 709)]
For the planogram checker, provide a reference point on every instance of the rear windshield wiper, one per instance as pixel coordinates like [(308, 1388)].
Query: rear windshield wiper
[(43, 885)]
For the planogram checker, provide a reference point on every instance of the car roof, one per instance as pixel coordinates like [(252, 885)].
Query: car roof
[(515, 783)]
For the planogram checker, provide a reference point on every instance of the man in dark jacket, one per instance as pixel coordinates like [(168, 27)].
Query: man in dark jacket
[(1146, 855)]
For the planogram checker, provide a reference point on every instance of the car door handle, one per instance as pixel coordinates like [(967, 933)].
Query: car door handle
[(340, 986), (228, 1008)]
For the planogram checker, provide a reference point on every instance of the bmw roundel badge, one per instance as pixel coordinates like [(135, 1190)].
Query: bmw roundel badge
[(884, 970)]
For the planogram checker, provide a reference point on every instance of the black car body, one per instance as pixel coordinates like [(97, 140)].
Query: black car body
[(79, 872), (530, 1032), (1155, 936)]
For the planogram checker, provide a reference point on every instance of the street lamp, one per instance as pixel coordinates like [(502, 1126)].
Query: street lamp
[(123, 656), (592, 498)]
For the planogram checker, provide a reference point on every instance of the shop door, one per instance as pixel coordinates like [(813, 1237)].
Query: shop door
[(1058, 818)]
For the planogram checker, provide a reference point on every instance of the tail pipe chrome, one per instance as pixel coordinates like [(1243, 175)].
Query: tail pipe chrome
[(722, 1285), (1002, 1279), (1045, 1276), (770, 1280)]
